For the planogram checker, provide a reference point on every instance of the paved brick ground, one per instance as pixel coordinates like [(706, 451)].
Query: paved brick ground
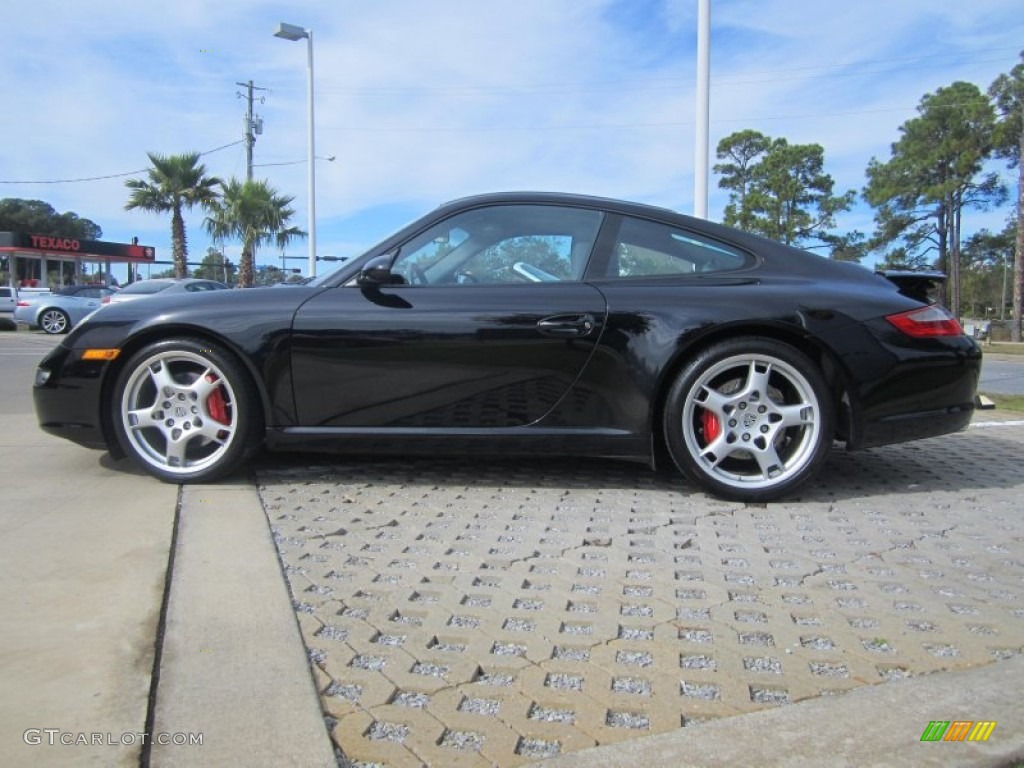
[(491, 613)]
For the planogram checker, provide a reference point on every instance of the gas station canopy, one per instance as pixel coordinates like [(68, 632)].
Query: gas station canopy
[(28, 245)]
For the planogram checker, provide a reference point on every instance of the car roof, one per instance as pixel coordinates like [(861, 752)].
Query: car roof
[(798, 259), (559, 198), (169, 281), (624, 207)]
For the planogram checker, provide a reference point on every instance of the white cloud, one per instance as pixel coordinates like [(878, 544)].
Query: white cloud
[(424, 102)]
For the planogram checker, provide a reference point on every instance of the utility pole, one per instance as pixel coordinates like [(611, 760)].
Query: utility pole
[(253, 125)]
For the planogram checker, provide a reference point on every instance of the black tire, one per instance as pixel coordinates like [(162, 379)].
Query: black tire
[(54, 321), (749, 419), (185, 410)]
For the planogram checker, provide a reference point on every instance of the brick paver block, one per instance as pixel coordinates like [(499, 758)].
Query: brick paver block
[(494, 613)]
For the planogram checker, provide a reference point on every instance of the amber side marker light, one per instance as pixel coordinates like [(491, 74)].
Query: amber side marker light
[(101, 354)]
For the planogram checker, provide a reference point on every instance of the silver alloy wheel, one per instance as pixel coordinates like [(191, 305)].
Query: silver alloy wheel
[(751, 421), (54, 321), (179, 412)]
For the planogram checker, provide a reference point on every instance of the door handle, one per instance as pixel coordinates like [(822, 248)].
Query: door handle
[(567, 326)]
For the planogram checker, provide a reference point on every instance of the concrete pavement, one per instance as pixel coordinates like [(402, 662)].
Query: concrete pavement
[(83, 558), (83, 569), (232, 663), (878, 726), (95, 668), (85, 547)]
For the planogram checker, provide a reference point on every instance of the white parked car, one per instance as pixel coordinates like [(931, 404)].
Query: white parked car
[(143, 288)]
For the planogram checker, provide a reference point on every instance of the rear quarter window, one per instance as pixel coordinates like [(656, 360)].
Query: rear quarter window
[(652, 249)]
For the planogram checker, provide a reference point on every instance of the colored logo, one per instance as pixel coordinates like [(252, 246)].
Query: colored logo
[(958, 730)]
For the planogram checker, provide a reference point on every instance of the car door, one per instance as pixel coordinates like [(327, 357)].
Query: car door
[(84, 302), (487, 325)]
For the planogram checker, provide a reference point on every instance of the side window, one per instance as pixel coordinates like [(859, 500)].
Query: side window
[(205, 286), (526, 258), (650, 249), (503, 244)]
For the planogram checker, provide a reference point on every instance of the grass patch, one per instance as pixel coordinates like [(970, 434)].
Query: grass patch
[(1007, 402), (1003, 348)]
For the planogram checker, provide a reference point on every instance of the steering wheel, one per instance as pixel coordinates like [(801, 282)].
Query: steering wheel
[(416, 274)]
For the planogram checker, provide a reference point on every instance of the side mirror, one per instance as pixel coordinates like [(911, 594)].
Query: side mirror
[(376, 272)]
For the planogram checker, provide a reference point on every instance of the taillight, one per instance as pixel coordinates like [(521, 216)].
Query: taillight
[(926, 321), (105, 300), (23, 303)]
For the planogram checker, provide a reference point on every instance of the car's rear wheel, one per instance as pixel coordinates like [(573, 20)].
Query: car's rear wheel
[(54, 321), (185, 410), (749, 419)]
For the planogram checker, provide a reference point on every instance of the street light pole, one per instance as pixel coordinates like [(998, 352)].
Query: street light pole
[(293, 32), (702, 148)]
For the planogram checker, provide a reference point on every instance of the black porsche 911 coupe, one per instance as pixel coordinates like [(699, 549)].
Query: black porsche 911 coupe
[(528, 324)]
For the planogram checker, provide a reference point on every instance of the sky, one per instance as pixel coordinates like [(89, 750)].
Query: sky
[(420, 103)]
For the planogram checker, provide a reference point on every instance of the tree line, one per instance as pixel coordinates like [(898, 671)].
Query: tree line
[(938, 169)]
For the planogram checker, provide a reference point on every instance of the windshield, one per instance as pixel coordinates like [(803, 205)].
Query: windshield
[(324, 277)]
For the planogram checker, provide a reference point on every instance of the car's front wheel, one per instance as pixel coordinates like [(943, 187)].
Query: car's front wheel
[(54, 321), (185, 410), (749, 419)]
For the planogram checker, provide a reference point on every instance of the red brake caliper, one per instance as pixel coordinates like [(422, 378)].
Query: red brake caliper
[(215, 404), (712, 426)]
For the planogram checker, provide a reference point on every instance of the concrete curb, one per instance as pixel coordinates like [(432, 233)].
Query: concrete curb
[(233, 665), (877, 726)]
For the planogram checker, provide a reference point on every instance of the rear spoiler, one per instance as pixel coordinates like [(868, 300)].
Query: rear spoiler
[(923, 285)]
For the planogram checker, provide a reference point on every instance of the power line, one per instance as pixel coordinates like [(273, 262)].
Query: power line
[(112, 175)]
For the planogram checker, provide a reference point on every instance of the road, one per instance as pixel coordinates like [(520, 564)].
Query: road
[(19, 354), (1002, 375)]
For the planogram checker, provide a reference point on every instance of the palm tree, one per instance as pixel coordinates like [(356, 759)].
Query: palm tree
[(175, 182), (256, 214)]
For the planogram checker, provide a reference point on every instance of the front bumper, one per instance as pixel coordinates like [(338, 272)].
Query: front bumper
[(69, 403)]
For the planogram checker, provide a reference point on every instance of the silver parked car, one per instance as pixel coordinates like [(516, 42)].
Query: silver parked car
[(59, 312), (163, 286)]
